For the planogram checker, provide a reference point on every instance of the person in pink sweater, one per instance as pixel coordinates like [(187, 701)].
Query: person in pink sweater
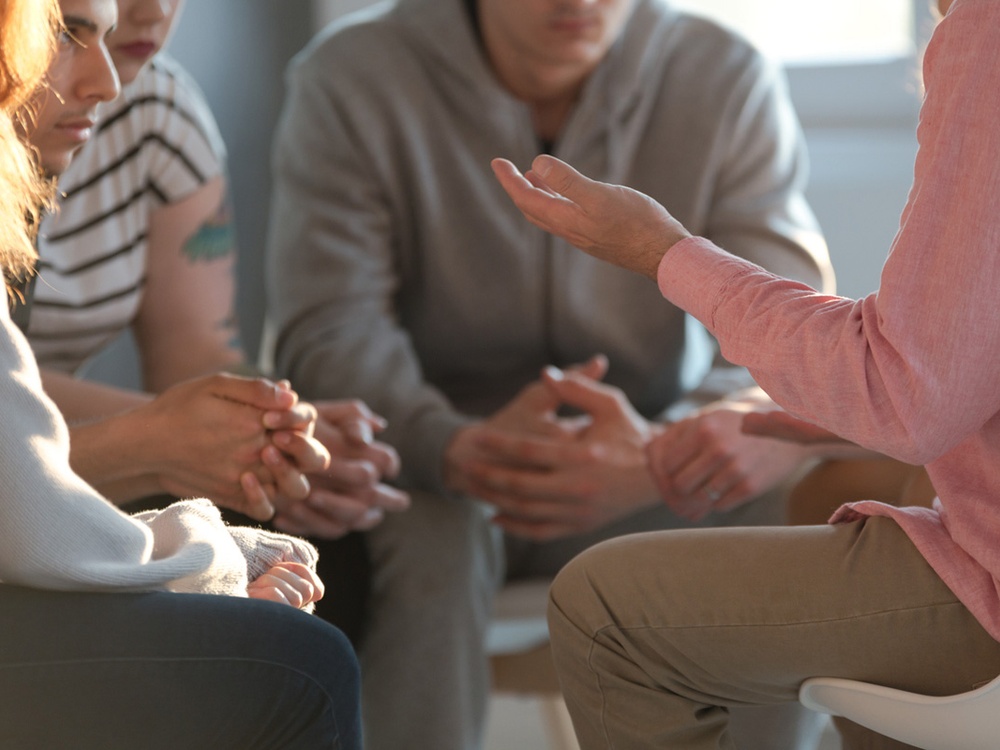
[(656, 635)]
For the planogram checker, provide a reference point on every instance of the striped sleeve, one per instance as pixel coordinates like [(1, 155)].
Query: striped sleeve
[(155, 144)]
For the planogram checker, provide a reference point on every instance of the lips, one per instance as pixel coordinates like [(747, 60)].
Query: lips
[(139, 50), (78, 129), (574, 24)]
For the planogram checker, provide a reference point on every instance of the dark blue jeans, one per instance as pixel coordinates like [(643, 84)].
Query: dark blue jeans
[(149, 671)]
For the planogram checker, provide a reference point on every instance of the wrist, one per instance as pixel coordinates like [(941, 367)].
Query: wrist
[(659, 245), (111, 455), (661, 479), (454, 459)]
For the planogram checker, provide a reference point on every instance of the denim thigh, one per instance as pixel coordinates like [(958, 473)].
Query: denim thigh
[(161, 670)]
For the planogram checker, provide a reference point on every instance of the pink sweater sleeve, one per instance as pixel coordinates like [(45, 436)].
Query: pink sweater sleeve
[(912, 369)]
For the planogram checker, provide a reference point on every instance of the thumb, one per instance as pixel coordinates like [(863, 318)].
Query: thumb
[(257, 392), (560, 177), (538, 398), (594, 368), (581, 392)]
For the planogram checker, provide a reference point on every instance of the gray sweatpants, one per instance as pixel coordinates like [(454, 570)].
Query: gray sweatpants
[(436, 568)]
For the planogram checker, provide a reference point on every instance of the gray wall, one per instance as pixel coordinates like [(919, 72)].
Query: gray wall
[(238, 49)]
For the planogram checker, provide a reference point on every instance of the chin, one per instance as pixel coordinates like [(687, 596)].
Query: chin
[(128, 70), (55, 164)]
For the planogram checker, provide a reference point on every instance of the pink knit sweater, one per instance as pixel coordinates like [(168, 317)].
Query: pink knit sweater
[(912, 370)]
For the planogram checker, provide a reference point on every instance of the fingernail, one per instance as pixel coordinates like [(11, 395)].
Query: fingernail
[(541, 166), (553, 372), (304, 486), (272, 419)]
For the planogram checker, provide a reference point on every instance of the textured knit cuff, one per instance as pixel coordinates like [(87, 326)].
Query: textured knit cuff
[(265, 549)]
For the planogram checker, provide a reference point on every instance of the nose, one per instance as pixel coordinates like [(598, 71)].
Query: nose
[(97, 80), (150, 11), (576, 6)]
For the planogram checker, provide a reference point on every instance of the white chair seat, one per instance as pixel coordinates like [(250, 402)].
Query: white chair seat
[(518, 645), (967, 721), (519, 618)]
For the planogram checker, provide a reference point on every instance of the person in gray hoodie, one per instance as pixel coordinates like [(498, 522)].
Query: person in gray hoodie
[(399, 273)]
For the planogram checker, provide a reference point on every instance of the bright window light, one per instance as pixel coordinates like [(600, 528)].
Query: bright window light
[(803, 32)]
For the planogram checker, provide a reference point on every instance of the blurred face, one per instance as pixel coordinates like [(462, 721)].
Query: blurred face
[(569, 36), (144, 27), (80, 78)]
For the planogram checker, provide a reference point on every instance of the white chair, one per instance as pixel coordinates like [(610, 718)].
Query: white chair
[(967, 721), (518, 645)]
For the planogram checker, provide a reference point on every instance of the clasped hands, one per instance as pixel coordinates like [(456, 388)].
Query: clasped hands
[(550, 476), (250, 444)]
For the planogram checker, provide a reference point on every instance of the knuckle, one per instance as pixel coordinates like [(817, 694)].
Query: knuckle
[(704, 431)]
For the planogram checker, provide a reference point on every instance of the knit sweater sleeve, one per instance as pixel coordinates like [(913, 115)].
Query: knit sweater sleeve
[(57, 532)]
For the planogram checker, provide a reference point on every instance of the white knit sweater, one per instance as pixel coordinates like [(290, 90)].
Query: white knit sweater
[(57, 532)]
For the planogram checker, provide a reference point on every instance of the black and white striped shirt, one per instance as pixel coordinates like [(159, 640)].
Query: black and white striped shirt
[(154, 145)]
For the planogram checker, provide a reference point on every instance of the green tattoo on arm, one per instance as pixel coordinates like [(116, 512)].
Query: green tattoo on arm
[(215, 238), (232, 327)]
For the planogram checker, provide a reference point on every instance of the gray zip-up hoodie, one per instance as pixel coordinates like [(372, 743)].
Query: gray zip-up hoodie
[(400, 273)]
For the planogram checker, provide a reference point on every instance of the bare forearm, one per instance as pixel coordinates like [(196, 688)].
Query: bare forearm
[(106, 454), (83, 400)]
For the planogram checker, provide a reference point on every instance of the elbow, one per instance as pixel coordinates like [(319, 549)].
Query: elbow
[(920, 442)]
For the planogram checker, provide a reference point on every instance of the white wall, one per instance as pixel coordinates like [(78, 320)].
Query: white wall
[(858, 186)]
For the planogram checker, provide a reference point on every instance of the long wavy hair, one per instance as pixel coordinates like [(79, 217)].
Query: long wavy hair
[(27, 42)]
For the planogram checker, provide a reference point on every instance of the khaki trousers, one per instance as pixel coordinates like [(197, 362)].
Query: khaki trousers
[(656, 635)]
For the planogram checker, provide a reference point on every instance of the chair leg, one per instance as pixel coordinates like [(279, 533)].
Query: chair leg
[(558, 725), (829, 739)]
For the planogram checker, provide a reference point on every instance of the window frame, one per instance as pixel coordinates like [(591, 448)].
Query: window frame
[(864, 93)]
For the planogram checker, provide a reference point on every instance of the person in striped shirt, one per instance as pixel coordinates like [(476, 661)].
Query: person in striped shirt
[(143, 241)]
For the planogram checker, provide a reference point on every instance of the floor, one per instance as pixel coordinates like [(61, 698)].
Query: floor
[(516, 724)]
